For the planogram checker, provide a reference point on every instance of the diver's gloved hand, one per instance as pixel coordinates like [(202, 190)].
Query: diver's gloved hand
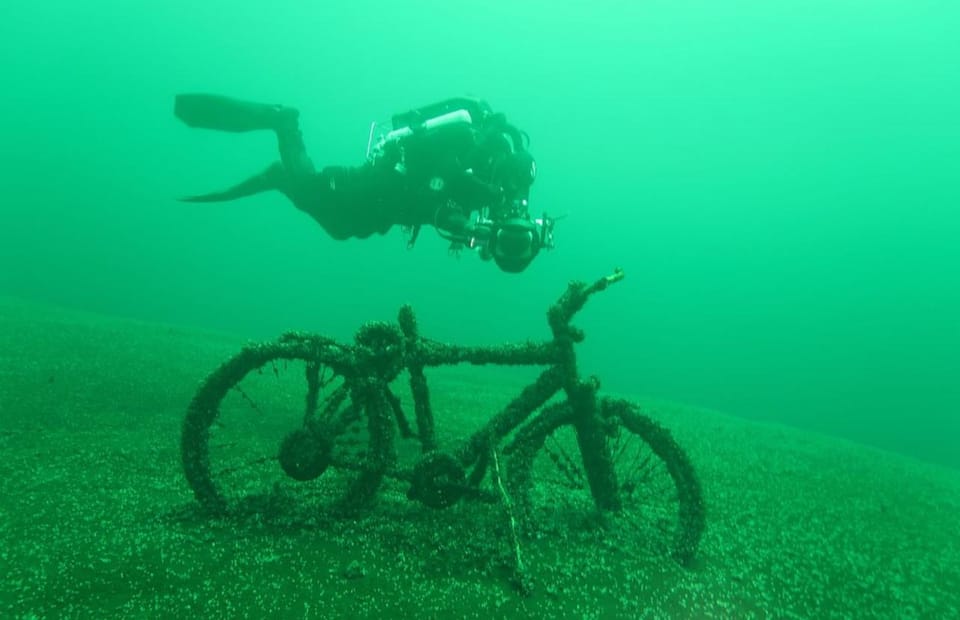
[(476, 230)]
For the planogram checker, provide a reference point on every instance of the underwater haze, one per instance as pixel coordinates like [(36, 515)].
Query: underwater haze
[(778, 180)]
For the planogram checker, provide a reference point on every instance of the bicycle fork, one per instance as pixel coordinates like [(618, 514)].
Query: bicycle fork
[(592, 441)]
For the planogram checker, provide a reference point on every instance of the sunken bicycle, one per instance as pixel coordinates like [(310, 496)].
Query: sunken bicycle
[(347, 416)]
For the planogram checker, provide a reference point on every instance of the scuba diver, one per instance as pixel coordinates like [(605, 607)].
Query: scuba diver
[(455, 165)]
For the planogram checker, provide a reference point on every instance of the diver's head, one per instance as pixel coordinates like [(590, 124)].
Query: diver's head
[(515, 173), (518, 172), (506, 160), (514, 243)]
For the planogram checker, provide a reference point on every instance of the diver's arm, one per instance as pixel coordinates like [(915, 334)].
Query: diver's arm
[(455, 224)]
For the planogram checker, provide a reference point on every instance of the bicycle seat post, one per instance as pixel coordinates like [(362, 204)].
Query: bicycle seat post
[(413, 360)]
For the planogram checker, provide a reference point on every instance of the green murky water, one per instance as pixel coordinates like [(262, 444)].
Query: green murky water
[(777, 180)]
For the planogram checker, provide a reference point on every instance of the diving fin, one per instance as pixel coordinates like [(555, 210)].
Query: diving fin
[(227, 114), (270, 179)]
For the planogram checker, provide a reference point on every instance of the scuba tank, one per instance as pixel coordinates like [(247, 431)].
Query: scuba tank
[(444, 120), (476, 111), (462, 111)]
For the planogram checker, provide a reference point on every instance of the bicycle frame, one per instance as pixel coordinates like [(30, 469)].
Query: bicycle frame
[(439, 472), (382, 351)]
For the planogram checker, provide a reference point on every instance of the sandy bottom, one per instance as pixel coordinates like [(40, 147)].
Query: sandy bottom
[(97, 520)]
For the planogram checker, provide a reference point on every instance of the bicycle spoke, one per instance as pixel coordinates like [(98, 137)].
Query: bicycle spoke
[(565, 464), (231, 470), (248, 400), (639, 474), (622, 444)]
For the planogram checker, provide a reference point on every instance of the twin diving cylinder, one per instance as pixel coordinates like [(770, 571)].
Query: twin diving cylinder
[(457, 111)]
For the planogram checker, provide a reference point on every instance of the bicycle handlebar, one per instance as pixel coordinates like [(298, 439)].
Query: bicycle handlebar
[(573, 300), (429, 352)]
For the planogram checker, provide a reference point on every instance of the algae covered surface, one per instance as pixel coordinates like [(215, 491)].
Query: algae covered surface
[(96, 519)]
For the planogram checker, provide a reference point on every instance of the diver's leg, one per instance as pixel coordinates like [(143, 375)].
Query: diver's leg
[(353, 201), (293, 152), (221, 113), (273, 178), (228, 114), (207, 111)]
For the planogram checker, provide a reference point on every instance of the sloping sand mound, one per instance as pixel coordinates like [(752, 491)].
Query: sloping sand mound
[(97, 520)]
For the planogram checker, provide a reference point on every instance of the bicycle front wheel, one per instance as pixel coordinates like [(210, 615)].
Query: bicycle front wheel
[(661, 504)]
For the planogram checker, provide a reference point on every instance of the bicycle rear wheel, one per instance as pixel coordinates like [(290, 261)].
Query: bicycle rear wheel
[(268, 422), (661, 504)]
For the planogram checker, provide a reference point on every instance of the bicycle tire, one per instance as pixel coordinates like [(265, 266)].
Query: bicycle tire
[(204, 413), (688, 518)]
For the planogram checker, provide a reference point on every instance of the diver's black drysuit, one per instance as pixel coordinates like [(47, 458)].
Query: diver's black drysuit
[(432, 176)]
